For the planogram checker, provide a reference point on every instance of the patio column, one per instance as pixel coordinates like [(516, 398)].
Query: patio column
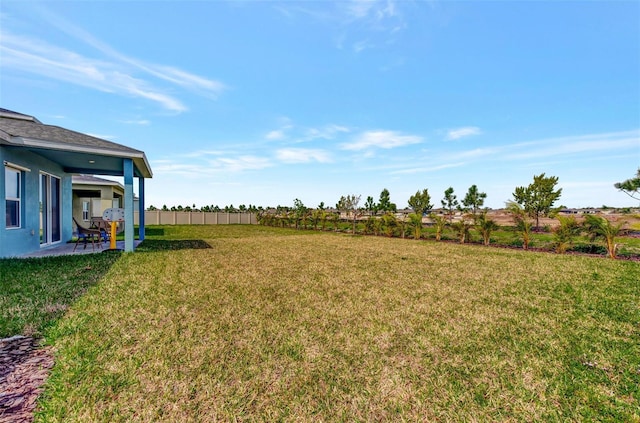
[(128, 204), (141, 219)]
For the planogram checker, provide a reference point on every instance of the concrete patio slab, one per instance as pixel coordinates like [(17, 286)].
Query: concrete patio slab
[(67, 249)]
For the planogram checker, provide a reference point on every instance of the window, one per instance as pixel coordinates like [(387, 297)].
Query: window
[(85, 211), (12, 189)]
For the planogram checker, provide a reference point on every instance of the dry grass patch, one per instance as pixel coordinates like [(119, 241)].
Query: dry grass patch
[(323, 327)]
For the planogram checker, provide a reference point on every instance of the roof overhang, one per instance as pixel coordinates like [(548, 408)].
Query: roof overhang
[(83, 159)]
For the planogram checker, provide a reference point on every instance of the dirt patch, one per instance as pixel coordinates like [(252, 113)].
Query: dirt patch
[(24, 366)]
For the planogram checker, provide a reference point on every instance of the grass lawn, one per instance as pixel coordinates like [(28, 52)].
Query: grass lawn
[(250, 323)]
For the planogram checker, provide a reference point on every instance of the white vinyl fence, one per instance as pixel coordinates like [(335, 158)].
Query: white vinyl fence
[(159, 217)]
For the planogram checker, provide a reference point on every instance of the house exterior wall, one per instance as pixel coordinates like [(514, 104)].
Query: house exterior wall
[(108, 193), (26, 238)]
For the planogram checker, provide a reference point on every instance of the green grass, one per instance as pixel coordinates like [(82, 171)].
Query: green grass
[(284, 325), (35, 293)]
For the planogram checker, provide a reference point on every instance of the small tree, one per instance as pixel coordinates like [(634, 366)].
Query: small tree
[(335, 219), (299, 212), (565, 233), (523, 224), (390, 223), (538, 198), (439, 223), (402, 225), (315, 218), (349, 205), (416, 222), (449, 202), (599, 227), (631, 186), (384, 203), (462, 229), (474, 200), (370, 225), (323, 219), (485, 226), (370, 206), (419, 203), (377, 226)]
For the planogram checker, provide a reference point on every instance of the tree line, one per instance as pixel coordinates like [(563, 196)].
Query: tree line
[(528, 205)]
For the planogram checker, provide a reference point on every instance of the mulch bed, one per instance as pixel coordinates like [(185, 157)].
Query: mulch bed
[(24, 366)]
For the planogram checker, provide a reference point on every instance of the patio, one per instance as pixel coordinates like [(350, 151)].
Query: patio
[(67, 249)]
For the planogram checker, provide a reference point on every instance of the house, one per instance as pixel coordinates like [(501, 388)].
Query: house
[(93, 195), (39, 162)]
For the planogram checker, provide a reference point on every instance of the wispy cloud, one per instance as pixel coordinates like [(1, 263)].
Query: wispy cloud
[(426, 168), (377, 10), (277, 134), (281, 133), (327, 132), (208, 167), (554, 147), (455, 134), (363, 24), (557, 148), (241, 163), (143, 122), (299, 134), (303, 155), (112, 72), (381, 139)]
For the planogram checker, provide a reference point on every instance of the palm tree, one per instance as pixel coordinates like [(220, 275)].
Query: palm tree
[(599, 227), (462, 228), (335, 219), (439, 222), (390, 222), (565, 233), (485, 227), (524, 225), (416, 221)]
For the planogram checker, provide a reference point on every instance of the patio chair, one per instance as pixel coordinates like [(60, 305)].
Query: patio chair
[(105, 228), (86, 234)]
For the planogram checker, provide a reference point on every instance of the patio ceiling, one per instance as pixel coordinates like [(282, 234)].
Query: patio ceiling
[(92, 163)]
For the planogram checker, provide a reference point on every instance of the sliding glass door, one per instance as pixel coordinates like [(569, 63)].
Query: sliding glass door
[(50, 209)]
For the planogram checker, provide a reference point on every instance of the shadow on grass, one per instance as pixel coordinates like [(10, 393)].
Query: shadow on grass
[(36, 292), (151, 245), (149, 231)]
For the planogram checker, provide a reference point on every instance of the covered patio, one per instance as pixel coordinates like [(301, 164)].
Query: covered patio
[(43, 158), (68, 249)]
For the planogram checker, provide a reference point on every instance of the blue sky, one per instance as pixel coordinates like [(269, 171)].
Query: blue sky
[(251, 102)]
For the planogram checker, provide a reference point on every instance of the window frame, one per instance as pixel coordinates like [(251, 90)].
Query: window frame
[(86, 208), (18, 199)]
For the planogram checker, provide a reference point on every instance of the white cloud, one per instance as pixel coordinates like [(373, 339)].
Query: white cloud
[(466, 131), (381, 139), (241, 163), (113, 72), (553, 147), (326, 132), (277, 134), (215, 166), (426, 168), (143, 122), (303, 155)]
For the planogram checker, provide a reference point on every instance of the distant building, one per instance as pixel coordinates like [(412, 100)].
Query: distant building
[(93, 195)]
